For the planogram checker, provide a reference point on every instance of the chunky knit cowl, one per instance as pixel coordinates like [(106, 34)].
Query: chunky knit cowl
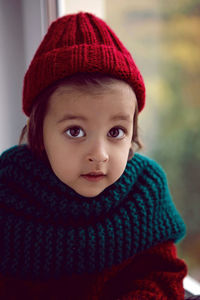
[(47, 230)]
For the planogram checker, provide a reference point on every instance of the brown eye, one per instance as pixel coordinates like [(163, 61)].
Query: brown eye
[(75, 132), (116, 132)]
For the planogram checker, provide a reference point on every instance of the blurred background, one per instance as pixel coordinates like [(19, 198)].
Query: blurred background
[(164, 39)]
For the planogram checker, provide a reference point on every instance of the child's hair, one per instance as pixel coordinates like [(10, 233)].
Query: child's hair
[(92, 82)]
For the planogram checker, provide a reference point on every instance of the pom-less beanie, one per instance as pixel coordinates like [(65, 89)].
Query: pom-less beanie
[(79, 43)]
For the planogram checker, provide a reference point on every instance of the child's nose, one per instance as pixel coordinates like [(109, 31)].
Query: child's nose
[(98, 153)]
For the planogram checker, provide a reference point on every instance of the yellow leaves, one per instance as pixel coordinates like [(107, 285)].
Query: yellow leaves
[(187, 54), (159, 93), (181, 41)]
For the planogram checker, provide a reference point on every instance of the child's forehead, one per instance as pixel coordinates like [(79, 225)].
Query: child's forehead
[(115, 87), (72, 101)]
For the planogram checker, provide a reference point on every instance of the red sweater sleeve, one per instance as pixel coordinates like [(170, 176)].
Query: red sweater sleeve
[(154, 274)]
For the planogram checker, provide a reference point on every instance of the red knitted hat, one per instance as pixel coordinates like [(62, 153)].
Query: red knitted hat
[(78, 43)]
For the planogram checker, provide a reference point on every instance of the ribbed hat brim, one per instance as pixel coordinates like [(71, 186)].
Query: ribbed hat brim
[(60, 63)]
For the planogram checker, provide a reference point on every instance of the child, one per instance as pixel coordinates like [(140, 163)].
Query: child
[(82, 215)]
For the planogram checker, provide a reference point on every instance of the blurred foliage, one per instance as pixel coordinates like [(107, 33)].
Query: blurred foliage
[(164, 39)]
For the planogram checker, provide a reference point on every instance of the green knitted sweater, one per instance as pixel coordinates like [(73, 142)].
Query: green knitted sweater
[(47, 230)]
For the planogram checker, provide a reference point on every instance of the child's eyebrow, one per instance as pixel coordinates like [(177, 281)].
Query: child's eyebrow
[(117, 117), (71, 117), (121, 117)]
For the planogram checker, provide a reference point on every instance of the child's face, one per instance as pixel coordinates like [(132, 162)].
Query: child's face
[(85, 133)]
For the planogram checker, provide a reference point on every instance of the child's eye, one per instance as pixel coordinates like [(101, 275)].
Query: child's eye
[(116, 132), (75, 132)]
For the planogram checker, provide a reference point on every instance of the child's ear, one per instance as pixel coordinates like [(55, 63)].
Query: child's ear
[(131, 154)]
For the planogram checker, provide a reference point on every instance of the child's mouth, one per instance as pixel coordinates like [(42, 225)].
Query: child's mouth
[(93, 177)]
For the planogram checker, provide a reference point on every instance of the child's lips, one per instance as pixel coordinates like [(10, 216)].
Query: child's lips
[(94, 176)]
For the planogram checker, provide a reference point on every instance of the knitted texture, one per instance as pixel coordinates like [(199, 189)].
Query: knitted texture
[(47, 229), (153, 274), (79, 43)]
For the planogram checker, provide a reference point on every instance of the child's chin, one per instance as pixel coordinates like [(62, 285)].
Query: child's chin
[(89, 194)]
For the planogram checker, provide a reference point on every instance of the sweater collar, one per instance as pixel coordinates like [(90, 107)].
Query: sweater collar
[(32, 177), (48, 230)]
